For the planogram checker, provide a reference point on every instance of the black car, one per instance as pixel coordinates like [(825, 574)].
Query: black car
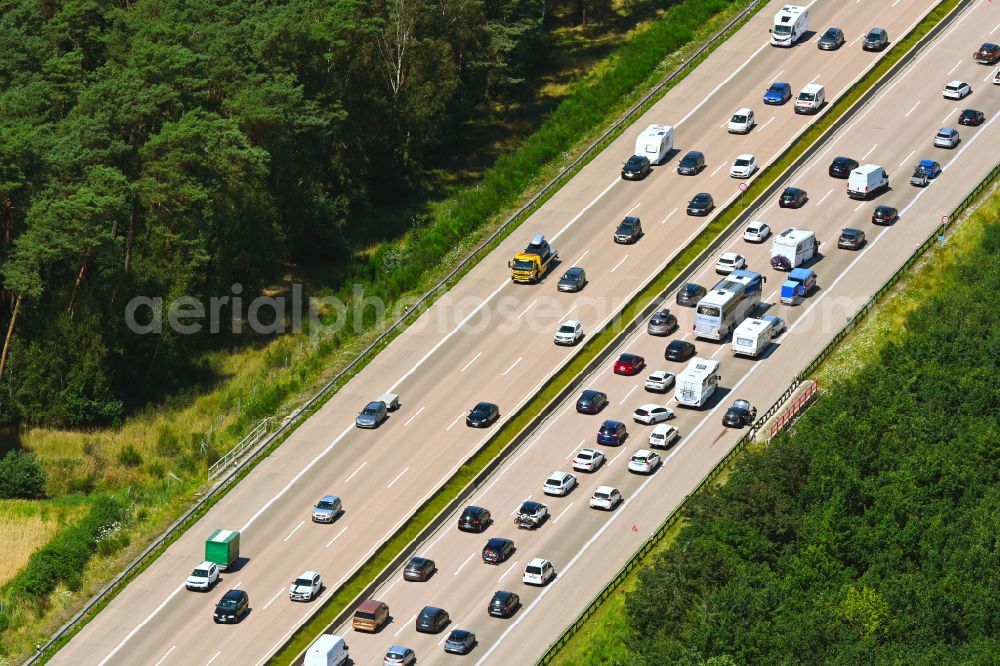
[(679, 350), (841, 167), (482, 415), (792, 197), (831, 40), (739, 415), (573, 280), (851, 239), (503, 604), (701, 205), (972, 118), (591, 402), (690, 294), (460, 641), (876, 40), (232, 607), (662, 323), (692, 163), (497, 550), (629, 230), (612, 433), (474, 519), (419, 569), (885, 215), (431, 620), (636, 168)]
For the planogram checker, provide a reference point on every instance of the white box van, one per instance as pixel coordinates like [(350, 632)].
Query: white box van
[(655, 143), (810, 99), (866, 181), (327, 650), (790, 24), (752, 337)]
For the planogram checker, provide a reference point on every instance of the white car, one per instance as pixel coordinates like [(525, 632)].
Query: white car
[(204, 576), (742, 121), (569, 332), (957, 90), (946, 137), (605, 497), (306, 587), (643, 461), (729, 262), (664, 436), (538, 571), (588, 460), (659, 381), (744, 166), (756, 232), (652, 413), (559, 483), (996, 78), (777, 325)]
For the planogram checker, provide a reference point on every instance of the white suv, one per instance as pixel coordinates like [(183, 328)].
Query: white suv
[(538, 571), (204, 576), (741, 122), (569, 333)]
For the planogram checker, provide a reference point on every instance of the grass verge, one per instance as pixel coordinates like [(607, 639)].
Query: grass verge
[(554, 386)]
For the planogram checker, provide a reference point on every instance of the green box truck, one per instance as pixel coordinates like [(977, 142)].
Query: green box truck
[(223, 547)]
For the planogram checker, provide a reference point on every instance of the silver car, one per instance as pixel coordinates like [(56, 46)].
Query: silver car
[(573, 280), (946, 137), (662, 323), (372, 415), (327, 509)]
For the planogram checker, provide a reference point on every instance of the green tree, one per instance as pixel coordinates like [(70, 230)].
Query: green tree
[(21, 476)]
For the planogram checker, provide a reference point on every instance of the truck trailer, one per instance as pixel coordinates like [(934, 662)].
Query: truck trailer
[(223, 548)]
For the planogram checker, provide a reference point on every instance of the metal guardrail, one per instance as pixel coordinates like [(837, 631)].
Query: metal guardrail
[(234, 454), (239, 464)]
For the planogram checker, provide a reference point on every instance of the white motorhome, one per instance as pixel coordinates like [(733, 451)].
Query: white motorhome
[(655, 143), (792, 248), (866, 181), (327, 650), (752, 337), (790, 24), (697, 382)]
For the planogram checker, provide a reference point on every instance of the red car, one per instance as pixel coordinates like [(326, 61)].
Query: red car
[(629, 364), (972, 118)]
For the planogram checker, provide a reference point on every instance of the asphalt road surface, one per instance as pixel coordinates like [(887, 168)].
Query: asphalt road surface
[(491, 340)]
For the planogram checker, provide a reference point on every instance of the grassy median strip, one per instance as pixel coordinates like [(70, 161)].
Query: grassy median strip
[(595, 345)]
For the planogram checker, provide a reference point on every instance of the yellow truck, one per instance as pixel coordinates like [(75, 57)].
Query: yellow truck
[(534, 262)]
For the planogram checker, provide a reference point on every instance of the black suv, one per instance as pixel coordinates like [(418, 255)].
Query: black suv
[(792, 197), (497, 550), (636, 168), (474, 519), (679, 350), (503, 604), (232, 607), (432, 620), (885, 215), (692, 163), (690, 294), (629, 230), (482, 415), (591, 402), (876, 40), (841, 167)]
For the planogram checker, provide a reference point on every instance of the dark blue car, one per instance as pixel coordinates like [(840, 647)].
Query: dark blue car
[(612, 433), (778, 93)]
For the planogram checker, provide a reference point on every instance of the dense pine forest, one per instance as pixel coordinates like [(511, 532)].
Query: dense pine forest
[(868, 535), (177, 147)]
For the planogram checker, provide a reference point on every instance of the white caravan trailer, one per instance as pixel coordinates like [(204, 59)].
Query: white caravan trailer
[(655, 143), (752, 337), (790, 24), (792, 248), (697, 382)]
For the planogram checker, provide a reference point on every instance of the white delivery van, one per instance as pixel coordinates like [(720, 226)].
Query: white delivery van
[(655, 143), (697, 382), (752, 337), (790, 24), (866, 181), (810, 99), (327, 650), (792, 247)]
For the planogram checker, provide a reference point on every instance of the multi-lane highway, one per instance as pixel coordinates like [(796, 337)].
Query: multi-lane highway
[(587, 547), (486, 340)]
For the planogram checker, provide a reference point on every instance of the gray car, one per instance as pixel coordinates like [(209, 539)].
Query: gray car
[(831, 40), (372, 415), (573, 280), (662, 323), (327, 509)]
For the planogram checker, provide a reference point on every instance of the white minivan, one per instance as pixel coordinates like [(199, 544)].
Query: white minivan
[(810, 99)]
